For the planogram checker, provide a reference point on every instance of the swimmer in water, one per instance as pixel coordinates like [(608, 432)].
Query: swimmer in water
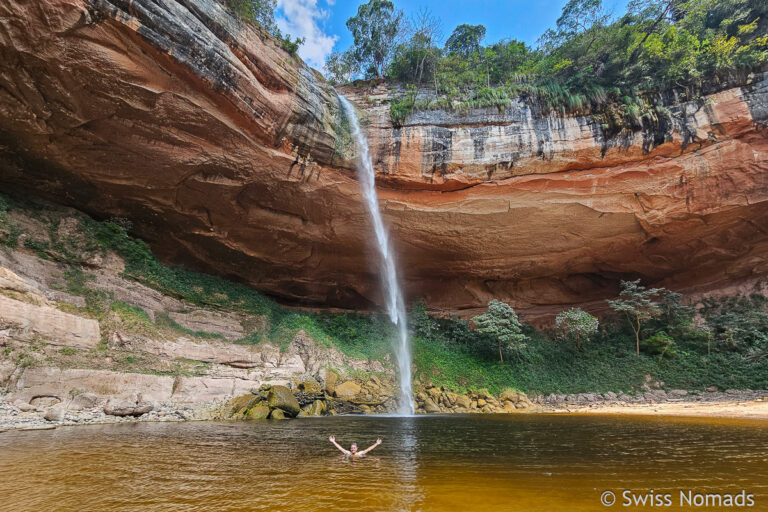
[(352, 452)]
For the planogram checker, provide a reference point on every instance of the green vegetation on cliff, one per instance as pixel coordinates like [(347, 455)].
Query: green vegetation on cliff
[(591, 62), (724, 343)]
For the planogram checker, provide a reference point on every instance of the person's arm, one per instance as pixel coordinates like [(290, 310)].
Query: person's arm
[(333, 440), (374, 445)]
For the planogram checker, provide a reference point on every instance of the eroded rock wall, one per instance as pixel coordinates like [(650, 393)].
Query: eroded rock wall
[(230, 157)]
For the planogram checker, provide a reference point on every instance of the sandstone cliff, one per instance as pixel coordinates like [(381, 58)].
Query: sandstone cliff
[(229, 156)]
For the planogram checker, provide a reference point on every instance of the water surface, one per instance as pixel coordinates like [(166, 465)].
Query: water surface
[(428, 463)]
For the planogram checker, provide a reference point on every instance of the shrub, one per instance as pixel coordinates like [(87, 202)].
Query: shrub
[(660, 344)]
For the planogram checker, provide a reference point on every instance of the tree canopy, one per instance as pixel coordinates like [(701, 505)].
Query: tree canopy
[(637, 303), (501, 323), (576, 324), (465, 40), (375, 29), (590, 62)]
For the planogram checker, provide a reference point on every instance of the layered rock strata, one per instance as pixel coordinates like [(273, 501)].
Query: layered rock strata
[(230, 156)]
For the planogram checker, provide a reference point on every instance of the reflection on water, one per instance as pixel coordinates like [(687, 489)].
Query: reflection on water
[(519, 462)]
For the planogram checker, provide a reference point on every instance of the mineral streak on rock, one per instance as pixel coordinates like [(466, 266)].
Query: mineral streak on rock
[(229, 156)]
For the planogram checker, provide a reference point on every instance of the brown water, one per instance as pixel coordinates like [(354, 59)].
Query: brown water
[(433, 463)]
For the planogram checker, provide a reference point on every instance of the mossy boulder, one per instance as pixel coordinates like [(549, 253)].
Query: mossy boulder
[(316, 408), (257, 412), (280, 397), (307, 385), (277, 414), (512, 395), (240, 404)]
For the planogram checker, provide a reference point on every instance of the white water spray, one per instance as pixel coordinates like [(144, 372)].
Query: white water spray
[(388, 270)]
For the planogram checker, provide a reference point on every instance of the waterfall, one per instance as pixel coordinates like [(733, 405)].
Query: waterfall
[(388, 269)]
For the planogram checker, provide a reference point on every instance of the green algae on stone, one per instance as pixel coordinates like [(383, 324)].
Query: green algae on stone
[(280, 397)]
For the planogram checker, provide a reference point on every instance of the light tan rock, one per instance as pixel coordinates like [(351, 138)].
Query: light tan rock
[(212, 351), (55, 413), (329, 377), (44, 401), (127, 406), (204, 389), (430, 407), (11, 282), (462, 401), (53, 326), (87, 400), (42, 381), (347, 390), (227, 325)]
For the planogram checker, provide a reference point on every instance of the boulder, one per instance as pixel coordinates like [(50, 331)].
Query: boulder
[(347, 390), (508, 407), (511, 395), (307, 385), (330, 378), (316, 408), (55, 413), (82, 401), (240, 404), (280, 397), (24, 406), (430, 407), (133, 406), (462, 401), (44, 401), (277, 414), (257, 412)]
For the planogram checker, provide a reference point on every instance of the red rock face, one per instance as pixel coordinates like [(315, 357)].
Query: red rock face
[(229, 157)]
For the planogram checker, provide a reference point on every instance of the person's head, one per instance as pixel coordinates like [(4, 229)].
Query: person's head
[(353, 448)]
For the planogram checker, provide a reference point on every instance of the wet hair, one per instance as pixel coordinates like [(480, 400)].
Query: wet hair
[(353, 444)]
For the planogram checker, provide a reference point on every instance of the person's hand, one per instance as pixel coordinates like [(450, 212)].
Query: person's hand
[(378, 441), (332, 439)]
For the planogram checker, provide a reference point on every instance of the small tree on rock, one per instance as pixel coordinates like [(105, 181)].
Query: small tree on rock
[(637, 304), (576, 324), (501, 322)]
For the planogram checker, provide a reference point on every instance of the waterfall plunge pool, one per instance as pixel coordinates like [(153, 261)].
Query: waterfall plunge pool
[(523, 462)]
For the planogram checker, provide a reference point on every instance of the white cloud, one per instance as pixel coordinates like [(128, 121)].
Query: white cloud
[(302, 18)]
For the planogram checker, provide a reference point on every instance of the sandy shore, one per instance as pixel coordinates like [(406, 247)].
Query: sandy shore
[(747, 409)]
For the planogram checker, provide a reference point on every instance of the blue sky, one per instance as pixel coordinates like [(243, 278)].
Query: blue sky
[(322, 22)]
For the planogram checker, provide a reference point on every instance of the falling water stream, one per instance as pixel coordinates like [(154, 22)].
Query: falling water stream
[(388, 268)]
